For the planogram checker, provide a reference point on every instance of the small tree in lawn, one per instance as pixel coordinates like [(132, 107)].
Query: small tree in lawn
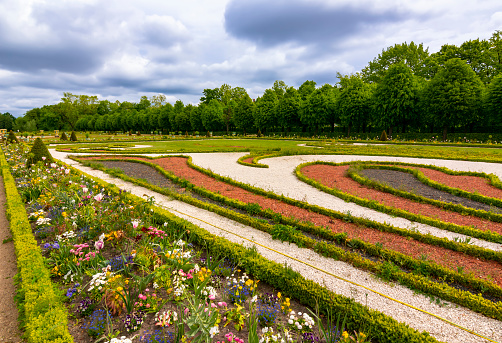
[(38, 152), (383, 136), (73, 137), (64, 137)]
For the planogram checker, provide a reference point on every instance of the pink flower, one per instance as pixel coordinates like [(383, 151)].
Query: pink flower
[(186, 311), (213, 305), (98, 197), (44, 158), (211, 296), (222, 304), (99, 245)]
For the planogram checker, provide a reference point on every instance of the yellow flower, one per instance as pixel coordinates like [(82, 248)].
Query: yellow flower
[(279, 295), (119, 289), (345, 334), (64, 214)]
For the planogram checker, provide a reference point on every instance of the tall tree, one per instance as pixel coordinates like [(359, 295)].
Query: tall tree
[(264, 114), (212, 116), (243, 118), (354, 102), (494, 100), (411, 55), (288, 109), (453, 97), (396, 97)]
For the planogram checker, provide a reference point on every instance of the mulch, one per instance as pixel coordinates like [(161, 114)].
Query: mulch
[(442, 256)]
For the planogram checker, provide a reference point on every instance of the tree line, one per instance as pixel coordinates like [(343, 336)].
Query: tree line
[(404, 89)]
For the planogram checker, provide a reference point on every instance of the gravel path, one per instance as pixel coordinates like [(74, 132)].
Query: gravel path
[(418, 320)]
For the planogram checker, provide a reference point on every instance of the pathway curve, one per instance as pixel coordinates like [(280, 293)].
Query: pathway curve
[(423, 322)]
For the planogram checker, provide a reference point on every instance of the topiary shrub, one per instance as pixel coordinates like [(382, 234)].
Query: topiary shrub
[(63, 137), (383, 136), (38, 152), (11, 138), (73, 137), (259, 133)]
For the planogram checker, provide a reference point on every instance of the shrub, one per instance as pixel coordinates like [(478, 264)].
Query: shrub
[(63, 137), (383, 136), (38, 152), (73, 137), (11, 138)]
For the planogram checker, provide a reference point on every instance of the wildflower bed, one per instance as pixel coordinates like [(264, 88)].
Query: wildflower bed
[(129, 271)]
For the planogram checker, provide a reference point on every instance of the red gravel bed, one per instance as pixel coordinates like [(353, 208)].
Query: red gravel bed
[(248, 160), (450, 259), (334, 177), (468, 183)]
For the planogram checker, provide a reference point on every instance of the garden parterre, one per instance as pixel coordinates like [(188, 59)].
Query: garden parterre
[(143, 182), (122, 271)]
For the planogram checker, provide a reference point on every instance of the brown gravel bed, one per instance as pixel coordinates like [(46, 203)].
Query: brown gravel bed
[(451, 259), (409, 183), (468, 183)]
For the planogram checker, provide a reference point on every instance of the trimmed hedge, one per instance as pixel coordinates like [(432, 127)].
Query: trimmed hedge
[(413, 280), (466, 230), (42, 314)]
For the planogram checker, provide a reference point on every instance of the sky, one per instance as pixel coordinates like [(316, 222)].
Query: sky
[(124, 49)]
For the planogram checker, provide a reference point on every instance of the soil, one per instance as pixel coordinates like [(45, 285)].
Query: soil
[(409, 183), (448, 258), (9, 332)]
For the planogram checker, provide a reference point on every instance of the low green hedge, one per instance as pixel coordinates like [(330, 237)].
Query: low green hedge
[(413, 280), (354, 174), (466, 230), (377, 325), (43, 317)]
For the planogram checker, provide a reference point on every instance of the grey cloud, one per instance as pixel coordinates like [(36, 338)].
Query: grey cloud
[(271, 23)]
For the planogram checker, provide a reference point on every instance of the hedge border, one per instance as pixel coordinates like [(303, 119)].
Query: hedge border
[(418, 282), (356, 176), (381, 326), (42, 314), (466, 230)]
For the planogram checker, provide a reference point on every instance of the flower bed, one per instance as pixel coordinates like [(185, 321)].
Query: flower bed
[(451, 259), (126, 268)]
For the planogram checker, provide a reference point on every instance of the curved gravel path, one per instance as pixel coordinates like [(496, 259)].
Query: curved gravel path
[(442, 331)]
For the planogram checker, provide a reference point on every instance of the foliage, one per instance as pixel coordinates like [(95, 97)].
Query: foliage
[(39, 153)]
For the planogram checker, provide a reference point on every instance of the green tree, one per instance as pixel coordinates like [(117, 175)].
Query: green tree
[(396, 98), (212, 116), (164, 117), (279, 88), (453, 97), (411, 55), (264, 113), (494, 100), (196, 119), (243, 118), (288, 109), (354, 102), (318, 109)]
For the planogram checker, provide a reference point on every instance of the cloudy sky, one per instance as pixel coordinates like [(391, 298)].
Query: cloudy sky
[(123, 49)]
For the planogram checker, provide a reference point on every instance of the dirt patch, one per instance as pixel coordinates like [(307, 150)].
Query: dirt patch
[(9, 332)]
